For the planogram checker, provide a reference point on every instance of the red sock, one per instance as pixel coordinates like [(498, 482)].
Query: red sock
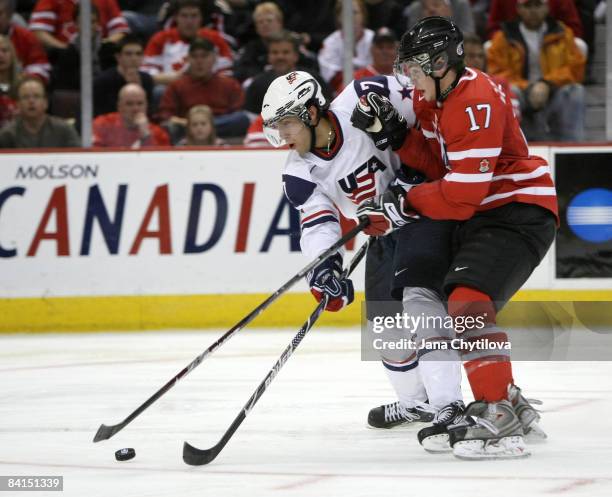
[(489, 377)]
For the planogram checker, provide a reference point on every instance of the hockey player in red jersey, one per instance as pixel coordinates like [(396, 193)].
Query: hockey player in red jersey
[(470, 140)]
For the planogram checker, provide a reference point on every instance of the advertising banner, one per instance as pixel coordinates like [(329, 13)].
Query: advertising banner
[(584, 188)]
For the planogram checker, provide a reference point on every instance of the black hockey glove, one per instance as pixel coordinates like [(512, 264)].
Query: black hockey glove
[(388, 211), (376, 116), (325, 279)]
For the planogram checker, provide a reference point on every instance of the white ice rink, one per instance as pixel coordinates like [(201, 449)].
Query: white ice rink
[(306, 436)]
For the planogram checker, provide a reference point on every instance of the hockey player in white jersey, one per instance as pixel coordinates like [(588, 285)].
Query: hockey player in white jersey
[(331, 169)]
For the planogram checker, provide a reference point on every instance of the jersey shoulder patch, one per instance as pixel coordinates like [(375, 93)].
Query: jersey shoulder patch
[(297, 181)]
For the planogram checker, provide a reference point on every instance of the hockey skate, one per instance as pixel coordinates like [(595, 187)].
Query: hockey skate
[(435, 438), (527, 414), (396, 414), (489, 431)]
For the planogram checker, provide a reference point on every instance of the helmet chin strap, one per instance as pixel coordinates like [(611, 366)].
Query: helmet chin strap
[(441, 95), (313, 137)]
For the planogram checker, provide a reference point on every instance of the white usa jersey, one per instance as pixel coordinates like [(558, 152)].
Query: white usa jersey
[(321, 185)]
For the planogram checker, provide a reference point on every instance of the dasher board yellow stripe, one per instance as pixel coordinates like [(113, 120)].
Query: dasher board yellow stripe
[(198, 311)]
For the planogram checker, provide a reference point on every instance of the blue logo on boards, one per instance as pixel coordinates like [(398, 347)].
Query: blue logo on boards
[(589, 215)]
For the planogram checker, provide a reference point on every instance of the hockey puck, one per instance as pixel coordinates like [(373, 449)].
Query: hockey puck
[(125, 454)]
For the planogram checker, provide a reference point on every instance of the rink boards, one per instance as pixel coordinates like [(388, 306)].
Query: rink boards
[(170, 238)]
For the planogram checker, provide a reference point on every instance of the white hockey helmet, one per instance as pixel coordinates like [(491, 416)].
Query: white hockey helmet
[(290, 96)]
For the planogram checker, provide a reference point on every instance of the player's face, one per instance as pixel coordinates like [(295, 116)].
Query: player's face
[(411, 72), (295, 134)]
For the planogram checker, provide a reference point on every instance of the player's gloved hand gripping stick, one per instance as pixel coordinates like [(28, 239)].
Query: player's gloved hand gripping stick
[(198, 457), (105, 432), (376, 115)]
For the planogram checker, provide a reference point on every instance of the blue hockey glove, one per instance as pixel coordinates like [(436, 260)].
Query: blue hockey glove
[(325, 279)]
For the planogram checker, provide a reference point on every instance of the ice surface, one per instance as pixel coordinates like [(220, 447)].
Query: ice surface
[(306, 437)]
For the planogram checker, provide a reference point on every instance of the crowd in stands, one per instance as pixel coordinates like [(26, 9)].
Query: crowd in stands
[(194, 72)]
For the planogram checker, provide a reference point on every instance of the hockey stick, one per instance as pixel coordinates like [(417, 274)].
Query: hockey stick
[(105, 432), (198, 457)]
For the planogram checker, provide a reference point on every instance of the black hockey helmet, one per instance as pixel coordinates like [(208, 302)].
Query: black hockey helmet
[(433, 43)]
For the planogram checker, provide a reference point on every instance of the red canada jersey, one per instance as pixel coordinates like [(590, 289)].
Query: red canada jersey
[(473, 148), (57, 17), (166, 51), (255, 136), (30, 53)]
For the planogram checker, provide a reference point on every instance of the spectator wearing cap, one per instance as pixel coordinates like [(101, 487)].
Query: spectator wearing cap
[(539, 58), (331, 55), (200, 85), (460, 11), (33, 127), (166, 52), (129, 126), (106, 85), (29, 50), (384, 50), (283, 57)]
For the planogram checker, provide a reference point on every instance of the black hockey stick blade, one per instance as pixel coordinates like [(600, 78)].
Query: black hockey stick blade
[(198, 457), (105, 432)]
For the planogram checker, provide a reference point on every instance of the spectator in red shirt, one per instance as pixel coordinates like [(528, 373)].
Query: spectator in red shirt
[(28, 49), (9, 74), (200, 85), (384, 50), (129, 127), (166, 52), (53, 23)]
